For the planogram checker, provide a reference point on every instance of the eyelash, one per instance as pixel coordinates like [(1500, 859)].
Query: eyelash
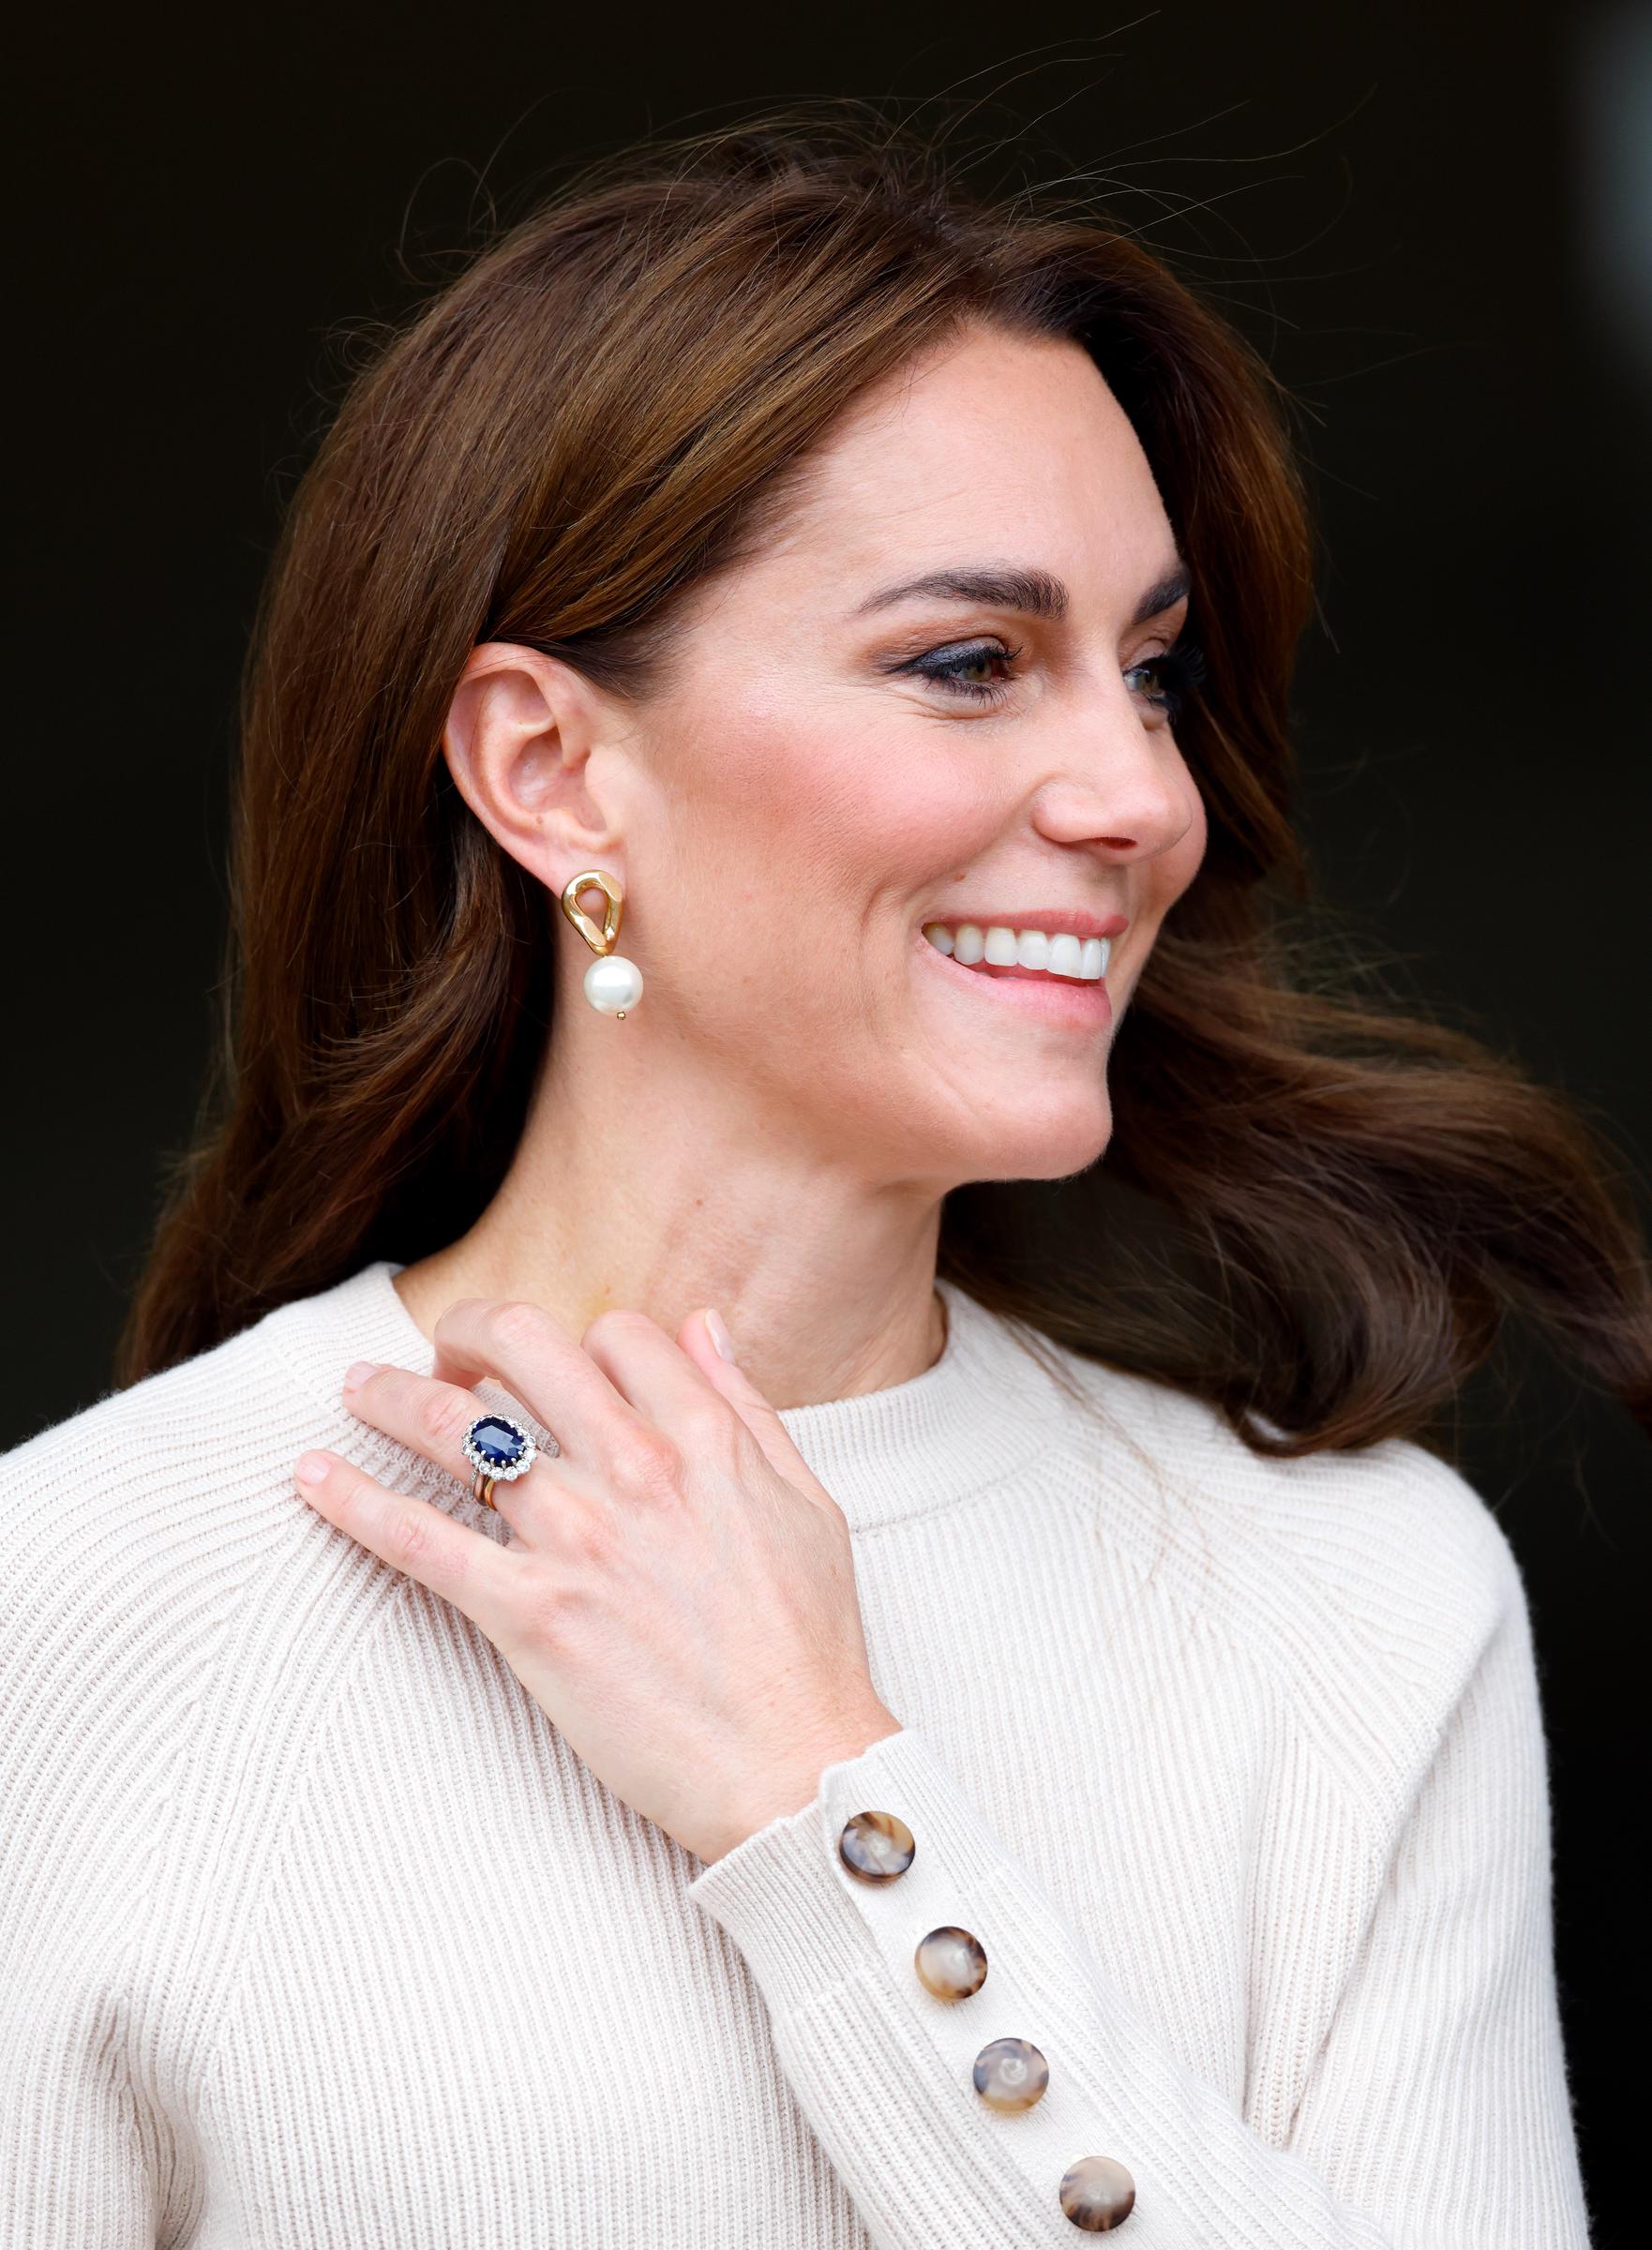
[(1180, 668)]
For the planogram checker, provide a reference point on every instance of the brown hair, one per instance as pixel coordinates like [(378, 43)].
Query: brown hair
[(1315, 1209)]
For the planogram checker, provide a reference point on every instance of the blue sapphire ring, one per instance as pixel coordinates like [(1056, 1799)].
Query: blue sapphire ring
[(499, 1450)]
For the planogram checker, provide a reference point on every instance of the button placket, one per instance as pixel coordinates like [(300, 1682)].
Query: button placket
[(1009, 2076)]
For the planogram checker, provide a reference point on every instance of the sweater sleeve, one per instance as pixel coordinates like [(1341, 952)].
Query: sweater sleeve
[(1435, 2117), (90, 1720)]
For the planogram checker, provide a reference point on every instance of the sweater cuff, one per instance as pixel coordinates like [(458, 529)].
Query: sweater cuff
[(801, 1920)]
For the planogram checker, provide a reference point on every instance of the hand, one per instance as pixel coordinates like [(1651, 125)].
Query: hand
[(678, 1593)]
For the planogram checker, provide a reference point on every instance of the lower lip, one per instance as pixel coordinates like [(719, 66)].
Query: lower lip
[(1081, 1005)]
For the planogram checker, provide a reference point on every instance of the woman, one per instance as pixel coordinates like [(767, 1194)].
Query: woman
[(691, 1620)]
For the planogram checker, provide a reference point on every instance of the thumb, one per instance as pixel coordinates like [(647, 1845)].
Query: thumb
[(697, 1337)]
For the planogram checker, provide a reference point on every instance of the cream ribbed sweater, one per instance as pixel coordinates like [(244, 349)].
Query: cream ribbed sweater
[(314, 1935)]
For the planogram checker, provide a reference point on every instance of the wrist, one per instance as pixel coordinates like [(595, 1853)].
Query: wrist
[(783, 1792)]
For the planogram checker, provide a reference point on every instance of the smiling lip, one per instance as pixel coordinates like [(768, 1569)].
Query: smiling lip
[(1048, 919), (1079, 1005)]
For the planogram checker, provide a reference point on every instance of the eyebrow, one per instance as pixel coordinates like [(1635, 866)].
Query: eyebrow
[(1036, 593)]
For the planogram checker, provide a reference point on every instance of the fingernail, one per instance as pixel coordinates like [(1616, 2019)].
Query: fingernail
[(718, 1333), (359, 1374), (311, 1468)]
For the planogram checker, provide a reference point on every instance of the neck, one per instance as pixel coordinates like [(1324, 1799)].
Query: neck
[(826, 1281)]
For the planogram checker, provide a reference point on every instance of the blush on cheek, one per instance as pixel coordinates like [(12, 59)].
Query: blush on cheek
[(812, 814)]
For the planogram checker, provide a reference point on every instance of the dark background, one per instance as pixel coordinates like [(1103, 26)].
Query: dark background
[(1436, 220)]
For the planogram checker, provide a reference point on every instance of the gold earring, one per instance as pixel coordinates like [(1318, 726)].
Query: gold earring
[(613, 983)]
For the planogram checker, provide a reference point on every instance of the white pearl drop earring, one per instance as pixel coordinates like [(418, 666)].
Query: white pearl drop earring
[(613, 983)]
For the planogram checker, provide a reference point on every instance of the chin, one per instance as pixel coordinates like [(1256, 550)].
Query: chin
[(1050, 1147)]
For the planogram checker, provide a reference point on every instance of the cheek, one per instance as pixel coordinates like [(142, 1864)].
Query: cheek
[(824, 806)]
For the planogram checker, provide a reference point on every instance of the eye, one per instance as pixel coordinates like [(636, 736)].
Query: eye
[(1175, 674), (964, 671)]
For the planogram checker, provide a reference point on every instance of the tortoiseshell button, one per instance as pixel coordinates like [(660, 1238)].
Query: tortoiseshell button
[(951, 1962), (1097, 2194), (1010, 2075), (876, 1846)]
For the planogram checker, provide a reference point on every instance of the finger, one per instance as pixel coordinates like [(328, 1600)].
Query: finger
[(430, 1417), (731, 1382), (650, 1370), (521, 1346), (464, 1566)]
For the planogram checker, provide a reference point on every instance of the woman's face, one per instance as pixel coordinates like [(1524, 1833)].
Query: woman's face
[(837, 763)]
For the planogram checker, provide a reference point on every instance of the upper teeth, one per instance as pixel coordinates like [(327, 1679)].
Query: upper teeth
[(1058, 951)]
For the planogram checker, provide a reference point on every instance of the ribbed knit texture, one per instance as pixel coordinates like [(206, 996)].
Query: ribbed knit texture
[(315, 1935)]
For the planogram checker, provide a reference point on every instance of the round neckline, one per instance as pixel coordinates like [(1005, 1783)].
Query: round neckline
[(972, 1416)]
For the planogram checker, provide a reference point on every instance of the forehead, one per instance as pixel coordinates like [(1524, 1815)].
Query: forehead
[(994, 443)]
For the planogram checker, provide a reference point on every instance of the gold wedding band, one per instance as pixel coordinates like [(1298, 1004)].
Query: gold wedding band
[(482, 1488)]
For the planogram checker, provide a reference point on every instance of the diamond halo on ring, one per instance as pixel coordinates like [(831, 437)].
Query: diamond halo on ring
[(498, 1449)]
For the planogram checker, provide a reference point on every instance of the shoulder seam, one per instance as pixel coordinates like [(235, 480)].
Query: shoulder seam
[(1411, 1748), (1490, 1541)]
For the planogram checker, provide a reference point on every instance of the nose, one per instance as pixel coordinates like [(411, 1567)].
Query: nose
[(1127, 790)]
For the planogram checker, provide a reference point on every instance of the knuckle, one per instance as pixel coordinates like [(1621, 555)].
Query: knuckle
[(649, 1462), (614, 1321), (443, 1419), (591, 1535), (518, 1326), (410, 1543), (544, 1620), (711, 1431)]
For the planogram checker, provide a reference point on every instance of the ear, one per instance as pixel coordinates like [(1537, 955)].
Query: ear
[(519, 740)]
